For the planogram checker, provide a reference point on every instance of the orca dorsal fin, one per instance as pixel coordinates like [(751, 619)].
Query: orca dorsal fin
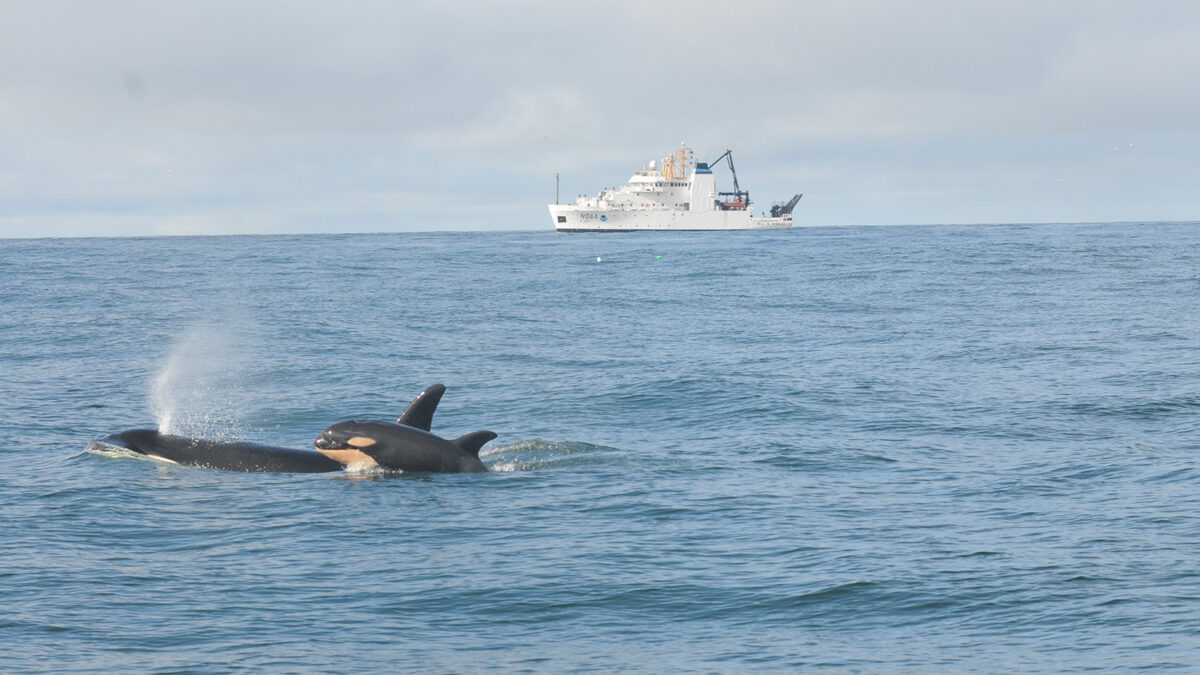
[(420, 412), (473, 443)]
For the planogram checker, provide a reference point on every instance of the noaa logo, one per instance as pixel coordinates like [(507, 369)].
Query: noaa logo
[(603, 218)]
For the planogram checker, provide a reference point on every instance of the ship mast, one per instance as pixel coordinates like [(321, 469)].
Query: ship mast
[(676, 165)]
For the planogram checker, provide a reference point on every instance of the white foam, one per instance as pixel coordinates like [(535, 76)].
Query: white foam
[(365, 468), (506, 467)]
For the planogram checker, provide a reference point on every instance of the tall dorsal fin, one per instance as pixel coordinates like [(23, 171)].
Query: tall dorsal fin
[(473, 443), (420, 411)]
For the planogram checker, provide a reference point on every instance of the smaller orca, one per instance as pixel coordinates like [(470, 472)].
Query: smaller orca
[(401, 447), (406, 444)]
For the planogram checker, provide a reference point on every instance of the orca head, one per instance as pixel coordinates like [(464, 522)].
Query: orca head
[(137, 440), (345, 442), (148, 442)]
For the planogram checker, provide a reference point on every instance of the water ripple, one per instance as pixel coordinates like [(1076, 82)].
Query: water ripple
[(956, 449)]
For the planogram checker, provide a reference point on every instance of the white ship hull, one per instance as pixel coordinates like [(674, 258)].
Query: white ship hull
[(571, 218)]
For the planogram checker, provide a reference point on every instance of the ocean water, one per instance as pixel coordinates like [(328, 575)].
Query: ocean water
[(905, 449)]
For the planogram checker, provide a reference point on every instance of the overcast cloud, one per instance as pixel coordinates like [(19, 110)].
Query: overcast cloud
[(121, 118)]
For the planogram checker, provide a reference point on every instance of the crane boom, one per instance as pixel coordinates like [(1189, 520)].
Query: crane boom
[(728, 154), (741, 198)]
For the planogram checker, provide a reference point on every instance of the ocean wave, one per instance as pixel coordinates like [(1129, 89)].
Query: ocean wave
[(539, 454)]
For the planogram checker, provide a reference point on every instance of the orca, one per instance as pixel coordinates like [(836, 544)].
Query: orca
[(405, 445), (223, 455)]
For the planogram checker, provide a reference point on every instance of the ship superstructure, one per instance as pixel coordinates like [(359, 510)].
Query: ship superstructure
[(678, 194)]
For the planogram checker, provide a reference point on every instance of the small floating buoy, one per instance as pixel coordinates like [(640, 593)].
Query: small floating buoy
[(597, 258)]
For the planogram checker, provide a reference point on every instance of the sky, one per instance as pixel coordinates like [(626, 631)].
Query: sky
[(127, 117)]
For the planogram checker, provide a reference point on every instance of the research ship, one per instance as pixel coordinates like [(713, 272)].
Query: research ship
[(680, 194)]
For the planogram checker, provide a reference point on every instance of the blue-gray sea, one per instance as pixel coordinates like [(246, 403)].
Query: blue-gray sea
[(902, 449)]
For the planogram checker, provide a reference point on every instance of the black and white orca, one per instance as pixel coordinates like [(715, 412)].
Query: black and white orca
[(404, 445)]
